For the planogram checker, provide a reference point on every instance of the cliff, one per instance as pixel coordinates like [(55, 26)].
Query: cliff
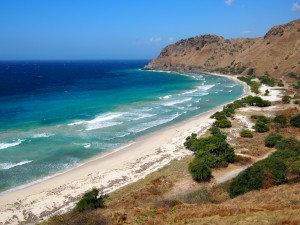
[(277, 53)]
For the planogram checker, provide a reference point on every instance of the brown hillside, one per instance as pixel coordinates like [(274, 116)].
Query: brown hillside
[(277, 53)]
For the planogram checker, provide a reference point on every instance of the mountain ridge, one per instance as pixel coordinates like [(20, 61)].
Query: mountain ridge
[(277, 53)]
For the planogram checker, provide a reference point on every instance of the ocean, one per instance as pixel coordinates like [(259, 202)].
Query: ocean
[(55, 115)]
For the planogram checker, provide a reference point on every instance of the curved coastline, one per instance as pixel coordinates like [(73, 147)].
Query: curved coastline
[(109, 171)]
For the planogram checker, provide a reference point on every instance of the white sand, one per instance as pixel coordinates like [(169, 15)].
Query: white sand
[(274, 95), (107, 173)]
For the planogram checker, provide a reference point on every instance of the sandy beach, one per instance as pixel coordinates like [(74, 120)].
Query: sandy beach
[(107, 172)]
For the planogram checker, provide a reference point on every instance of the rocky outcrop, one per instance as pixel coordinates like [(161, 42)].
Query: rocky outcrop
[(277, 53)]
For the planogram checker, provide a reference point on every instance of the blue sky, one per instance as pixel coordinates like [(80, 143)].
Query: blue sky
[(127, 29)]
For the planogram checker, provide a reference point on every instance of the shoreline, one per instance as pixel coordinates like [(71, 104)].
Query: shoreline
[(107, 172)]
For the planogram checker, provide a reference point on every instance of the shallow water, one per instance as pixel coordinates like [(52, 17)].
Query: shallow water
[(55, 115)]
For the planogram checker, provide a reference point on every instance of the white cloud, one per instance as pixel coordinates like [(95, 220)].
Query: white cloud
[(246, 32), (156, 40), (229, 2), (296, 7), (171, 39)]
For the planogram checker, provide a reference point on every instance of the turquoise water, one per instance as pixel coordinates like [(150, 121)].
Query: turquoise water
[(56, 115)]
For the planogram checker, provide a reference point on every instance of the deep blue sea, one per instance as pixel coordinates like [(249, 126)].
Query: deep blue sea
[(55, 115)]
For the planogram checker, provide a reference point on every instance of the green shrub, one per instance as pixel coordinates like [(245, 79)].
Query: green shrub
[(270, 171), (295, 121), (297, 86), (267, 80), (223, 123), (267, 92), (272, 140), (265, 173), (296, 102), (199, 170), (261, 127), (90, 200), (218, 115), (280, 83), (253, 84), (286, 99), (216, 151), (191, 142), (215, 131), (256, 101), (246, 134), (280, 120)]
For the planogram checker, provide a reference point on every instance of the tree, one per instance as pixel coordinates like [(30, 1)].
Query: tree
[(246, 134), (267, 92), (261, 127), (223, 123), (191, 142), (281, 120), (286, 99), (216, 151), (272, 140), (295, 121), (199, 170), (90, 200)]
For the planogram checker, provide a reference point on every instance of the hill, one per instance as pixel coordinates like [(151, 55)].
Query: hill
[(277, 53)]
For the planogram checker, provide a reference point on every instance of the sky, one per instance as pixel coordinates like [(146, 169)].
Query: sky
[(127, 29)]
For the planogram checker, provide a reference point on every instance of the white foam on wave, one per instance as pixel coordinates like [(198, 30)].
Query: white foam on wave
[(8, 145), (76, 123), (145, 109), (230, 86), (145, 126), (42, 135), (177, 102), (190, 92), (100, 125), (165, 97), (105, 117), (7, 166), (87, 145), (206, 87), (142, 116), (102, 121)]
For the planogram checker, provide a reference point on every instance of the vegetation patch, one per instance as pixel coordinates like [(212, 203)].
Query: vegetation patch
[(270, 171), (246, 134), (295, 121), (90, 201), (210, 152), (272, 140), (253, 84), (280, 120), (267, 80), (286, 99), (262, 124)]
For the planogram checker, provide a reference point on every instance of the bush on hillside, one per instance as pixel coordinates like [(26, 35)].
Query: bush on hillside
[(270, 171), (295, 121), (286, 99), (215, 131), (272, 140), (216, 151), (246, 134), (261, 127), (199, 170), (191, 142), (223, 123), (90, 200), (263, 174), (267, 80), (281, 120)]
